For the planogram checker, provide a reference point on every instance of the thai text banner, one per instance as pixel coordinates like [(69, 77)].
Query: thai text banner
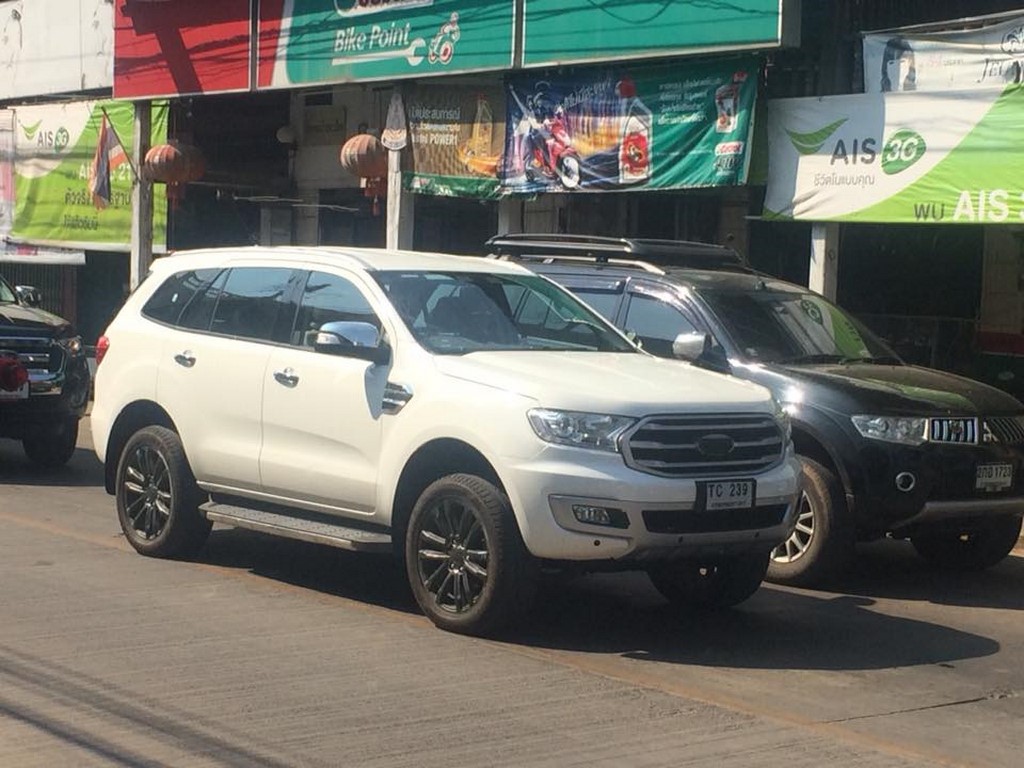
[(947, 157), (54, 149)]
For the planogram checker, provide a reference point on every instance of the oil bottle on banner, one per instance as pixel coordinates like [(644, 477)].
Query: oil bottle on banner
[(635, 142)]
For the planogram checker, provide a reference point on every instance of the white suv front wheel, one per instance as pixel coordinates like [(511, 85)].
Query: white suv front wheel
[(466, 562)]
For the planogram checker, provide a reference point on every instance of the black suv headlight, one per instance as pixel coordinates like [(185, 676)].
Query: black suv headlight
[(908, 430)]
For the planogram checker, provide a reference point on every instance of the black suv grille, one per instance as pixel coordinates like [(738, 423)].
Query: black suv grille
[(712, 444), (1006, 429), (36, 354), (953, 430)]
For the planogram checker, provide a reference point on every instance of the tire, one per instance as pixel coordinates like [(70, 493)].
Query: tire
[(466, 562), (52, 445), (822, 545), (719, 583), (157, 496), (974, 546), (569, 172)]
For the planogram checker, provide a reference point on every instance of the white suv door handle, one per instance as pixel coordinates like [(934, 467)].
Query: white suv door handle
[(286, 377), (185, 358)]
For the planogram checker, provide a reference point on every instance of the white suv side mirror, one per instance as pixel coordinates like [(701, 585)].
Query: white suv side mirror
[(349, 338)]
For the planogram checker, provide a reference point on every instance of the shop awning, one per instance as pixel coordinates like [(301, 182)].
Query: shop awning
[(31, 254)]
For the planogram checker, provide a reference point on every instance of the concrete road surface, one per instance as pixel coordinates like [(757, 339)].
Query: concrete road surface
[(275, 653)]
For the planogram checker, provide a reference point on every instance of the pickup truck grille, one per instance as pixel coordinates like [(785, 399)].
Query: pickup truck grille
[(704, 445), (35, 353)]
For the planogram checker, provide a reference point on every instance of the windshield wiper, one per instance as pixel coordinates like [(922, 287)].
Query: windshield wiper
[(816, 358), (879, 360)]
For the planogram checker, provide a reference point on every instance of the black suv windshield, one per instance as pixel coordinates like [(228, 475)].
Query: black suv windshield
[(6, 293), (458, 312), (791, 327)]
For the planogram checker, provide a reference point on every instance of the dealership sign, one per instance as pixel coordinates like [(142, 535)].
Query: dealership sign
[(54, 149), (953, 157), (909, 60), (333, 41)]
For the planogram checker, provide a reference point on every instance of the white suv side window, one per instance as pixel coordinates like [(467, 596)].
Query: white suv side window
[(254, 304), (329, 298)]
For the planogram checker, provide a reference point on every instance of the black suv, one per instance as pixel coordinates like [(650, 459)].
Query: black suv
[(887, 448), (44, 377)]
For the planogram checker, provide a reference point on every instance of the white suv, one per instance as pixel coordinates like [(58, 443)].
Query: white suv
[(464, 413)]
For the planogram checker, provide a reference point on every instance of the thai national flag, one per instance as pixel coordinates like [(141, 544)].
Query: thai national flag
[(109, 154)]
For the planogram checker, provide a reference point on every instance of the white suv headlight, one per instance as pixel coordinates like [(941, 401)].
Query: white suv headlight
[(583, 430), (892, 429)]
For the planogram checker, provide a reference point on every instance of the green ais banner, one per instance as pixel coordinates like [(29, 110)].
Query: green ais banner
[(54, 149), (575, 31), (457, 136), (950, 157), (333, 41), (648, 127)]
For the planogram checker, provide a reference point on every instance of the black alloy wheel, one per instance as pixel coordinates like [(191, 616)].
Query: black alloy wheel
[(157, 496), (465, 559)]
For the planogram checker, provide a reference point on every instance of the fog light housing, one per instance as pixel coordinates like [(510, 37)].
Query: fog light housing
[(592, 514)]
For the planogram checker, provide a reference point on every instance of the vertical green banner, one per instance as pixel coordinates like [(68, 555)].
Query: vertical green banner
[(457, 136), (55, 145), (575, 31), (325, 41)]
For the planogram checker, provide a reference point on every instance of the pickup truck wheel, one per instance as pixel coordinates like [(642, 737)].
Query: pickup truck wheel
[(977, 545), (466, 562), (822, 544), (718, 583), (52, 445), (157, 496)]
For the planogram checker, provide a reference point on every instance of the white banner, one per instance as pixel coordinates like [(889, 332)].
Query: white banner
[(990, 55)]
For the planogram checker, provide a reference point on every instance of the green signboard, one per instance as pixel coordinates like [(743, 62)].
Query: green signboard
[(572, 31), (55, 148), (334, 41)]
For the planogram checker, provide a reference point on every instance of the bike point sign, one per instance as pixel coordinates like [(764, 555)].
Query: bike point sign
[(647, 127), (336, 41), (952, 157)]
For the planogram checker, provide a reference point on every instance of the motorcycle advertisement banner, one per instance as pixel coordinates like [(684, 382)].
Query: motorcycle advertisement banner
[(456, 135), (54, 149), (646, 127)]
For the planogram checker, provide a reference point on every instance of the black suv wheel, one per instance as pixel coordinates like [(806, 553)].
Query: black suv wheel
[(53, 444), (719, 583)]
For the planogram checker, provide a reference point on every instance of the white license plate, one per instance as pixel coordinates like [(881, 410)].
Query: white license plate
[(993, 477), (18, 394), (728, 494)]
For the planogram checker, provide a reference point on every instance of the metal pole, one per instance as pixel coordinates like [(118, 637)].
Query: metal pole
[(824, 272), (142, 197)]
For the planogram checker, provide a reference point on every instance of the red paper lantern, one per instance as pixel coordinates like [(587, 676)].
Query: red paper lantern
[(174, 163), (363, 155)]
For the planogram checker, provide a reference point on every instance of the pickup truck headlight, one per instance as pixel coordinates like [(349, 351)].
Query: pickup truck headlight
[(892, 429), (598, 431)]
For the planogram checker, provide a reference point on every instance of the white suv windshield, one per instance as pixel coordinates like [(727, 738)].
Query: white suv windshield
[(458, 312)]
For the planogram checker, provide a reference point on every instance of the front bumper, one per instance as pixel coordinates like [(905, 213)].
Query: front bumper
[(944, 484), (663, 520), (52, 397)]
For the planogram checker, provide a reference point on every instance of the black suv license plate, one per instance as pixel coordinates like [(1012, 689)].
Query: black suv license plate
[(713, 495)]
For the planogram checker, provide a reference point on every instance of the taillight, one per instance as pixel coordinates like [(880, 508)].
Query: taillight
[(102, 345)]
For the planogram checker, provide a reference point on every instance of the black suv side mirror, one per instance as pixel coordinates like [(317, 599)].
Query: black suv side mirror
[(29, 295), (347, 338)]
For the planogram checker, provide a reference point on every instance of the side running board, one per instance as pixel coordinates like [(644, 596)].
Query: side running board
[(299, 526)]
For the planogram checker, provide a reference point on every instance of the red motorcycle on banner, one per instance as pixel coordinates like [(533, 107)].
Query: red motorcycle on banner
[(545, 149)]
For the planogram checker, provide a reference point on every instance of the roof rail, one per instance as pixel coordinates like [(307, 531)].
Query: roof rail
[(603, 249), (545, 258)]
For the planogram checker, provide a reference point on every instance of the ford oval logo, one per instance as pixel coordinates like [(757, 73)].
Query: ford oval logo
[(715, 446)]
